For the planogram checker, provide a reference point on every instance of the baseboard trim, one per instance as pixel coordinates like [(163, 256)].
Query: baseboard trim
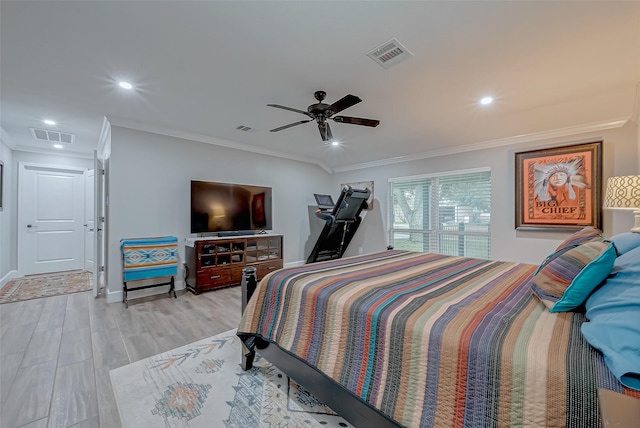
[(8, 277), (116, 296)]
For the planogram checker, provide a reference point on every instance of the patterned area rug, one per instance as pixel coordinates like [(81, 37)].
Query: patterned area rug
[(45, 285), (202, 385)]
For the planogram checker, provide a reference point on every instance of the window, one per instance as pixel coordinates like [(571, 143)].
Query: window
[(447, 213)]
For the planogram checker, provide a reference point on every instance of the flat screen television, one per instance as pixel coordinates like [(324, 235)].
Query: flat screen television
[(228, 207)]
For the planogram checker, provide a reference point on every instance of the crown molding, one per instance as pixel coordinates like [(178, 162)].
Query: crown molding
[(63, 153), (4, 136), (213, 140), (508, 141)]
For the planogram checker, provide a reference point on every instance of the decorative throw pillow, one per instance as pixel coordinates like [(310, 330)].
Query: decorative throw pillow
[(626, 242), (565, 279), (580, 237)]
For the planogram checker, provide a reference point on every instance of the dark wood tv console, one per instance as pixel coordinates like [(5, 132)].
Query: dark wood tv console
[(218, 262)]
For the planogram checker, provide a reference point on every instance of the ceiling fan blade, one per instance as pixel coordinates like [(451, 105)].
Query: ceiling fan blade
[(356, 121), (328, 133), (325, 131), (290, 109), (344, 102), (289, 125)]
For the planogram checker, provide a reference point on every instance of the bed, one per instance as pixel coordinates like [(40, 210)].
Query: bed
[(399, 338)]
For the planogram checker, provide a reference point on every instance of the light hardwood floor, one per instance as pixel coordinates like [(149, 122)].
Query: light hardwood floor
[(56, 352)]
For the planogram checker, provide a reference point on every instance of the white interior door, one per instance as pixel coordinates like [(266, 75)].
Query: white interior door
[(50, 219), (89, 218)]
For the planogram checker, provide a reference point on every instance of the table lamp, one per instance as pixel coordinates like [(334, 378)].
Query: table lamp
[(623, 192)]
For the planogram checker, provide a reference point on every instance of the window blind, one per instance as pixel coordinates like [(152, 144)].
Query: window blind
[(448, 213)]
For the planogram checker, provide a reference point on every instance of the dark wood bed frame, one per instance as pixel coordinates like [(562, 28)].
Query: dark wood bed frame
[(616, 410)]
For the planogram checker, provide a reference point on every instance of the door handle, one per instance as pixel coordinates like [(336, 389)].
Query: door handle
[(30, 226)]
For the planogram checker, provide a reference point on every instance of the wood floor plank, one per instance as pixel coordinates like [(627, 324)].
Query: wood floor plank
[(30, 395), (9, 312), (92, 340), (74, 395), (60, 300), (31, 311), (77, 300), (9, 365), (52, 316), (170, 341), (75, 346), (103, 316), (107, 408), (44, 346), (132, 322), (89, 423), (108, 348), (40, 423), (16, 339), (76, 318), (141, 346)]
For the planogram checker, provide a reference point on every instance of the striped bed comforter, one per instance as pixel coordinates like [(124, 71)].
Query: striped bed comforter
[(434, 340)]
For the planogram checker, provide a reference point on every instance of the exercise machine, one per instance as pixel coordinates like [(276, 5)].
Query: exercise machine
[(341, 222)]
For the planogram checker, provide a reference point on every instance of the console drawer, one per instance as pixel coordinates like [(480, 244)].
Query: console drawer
[(266, 267), (214, 278)]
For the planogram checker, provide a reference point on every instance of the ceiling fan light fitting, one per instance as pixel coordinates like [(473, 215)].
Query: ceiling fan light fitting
[(321, 112)]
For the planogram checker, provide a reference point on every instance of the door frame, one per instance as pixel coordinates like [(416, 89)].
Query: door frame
[(89, 223), (99, 203), (22, 221)]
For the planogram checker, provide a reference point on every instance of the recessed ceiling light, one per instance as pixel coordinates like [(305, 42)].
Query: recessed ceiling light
[(49, 122), (335, 143), (125, 85), (57, 146), (486, 100)]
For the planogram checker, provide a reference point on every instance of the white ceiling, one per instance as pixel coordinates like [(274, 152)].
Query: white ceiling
[(201, 69)]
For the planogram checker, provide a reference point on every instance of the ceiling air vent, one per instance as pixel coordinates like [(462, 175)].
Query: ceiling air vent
[(52, 136), (244, 128), (389, 54)]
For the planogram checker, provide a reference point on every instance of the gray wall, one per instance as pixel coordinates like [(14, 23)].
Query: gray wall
[(149, 189), (149, 175), (620, 157), (7, 232)]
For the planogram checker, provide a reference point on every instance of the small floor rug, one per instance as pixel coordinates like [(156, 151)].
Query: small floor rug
[(202, 385), (45, 285)]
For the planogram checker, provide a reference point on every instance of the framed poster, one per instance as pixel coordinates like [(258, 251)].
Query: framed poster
[(559, 187), (363, 185)]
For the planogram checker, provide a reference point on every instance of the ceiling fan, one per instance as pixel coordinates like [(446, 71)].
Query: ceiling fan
[(321, 112)]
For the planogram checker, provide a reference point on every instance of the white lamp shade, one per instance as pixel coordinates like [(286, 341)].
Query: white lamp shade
[(623, 192)]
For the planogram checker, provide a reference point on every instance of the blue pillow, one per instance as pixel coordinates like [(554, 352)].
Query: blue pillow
[(565, 279), (625, 242), (613, 314)]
